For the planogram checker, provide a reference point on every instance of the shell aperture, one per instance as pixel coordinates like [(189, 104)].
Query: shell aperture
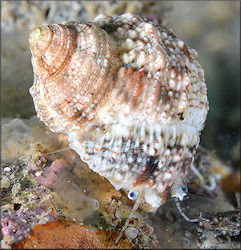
[(129, 94)]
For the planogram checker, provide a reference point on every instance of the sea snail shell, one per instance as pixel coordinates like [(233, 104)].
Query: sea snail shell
[(129, 94)]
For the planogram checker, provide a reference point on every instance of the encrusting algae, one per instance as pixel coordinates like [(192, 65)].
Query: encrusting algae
[(82, 237)]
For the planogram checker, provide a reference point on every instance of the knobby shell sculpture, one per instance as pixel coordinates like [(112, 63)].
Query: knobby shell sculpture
[(129, 94)]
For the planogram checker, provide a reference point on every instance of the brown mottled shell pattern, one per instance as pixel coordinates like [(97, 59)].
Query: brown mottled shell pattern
[(129, 94)]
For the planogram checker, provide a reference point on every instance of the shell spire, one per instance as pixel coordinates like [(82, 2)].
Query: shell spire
[(128, 93), (75, 66), (43, 41)]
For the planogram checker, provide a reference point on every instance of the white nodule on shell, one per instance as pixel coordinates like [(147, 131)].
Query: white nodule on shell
[(167, 176), (180, 44)]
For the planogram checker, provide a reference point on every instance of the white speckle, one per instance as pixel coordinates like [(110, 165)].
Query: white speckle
[(140, 45), (167, 176), (126, 58), (144, 147), (160, 188), (163, 116), (130, 159), (132, 34), (125, 167), (152, 151), (164, 34), (137, 143), (171, 83), (160, 164), (173, 74), (117, 176), (38, 173), (176, 157)]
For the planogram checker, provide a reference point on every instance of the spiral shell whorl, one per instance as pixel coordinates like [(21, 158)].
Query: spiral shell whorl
[(73, 74), (47, 60)]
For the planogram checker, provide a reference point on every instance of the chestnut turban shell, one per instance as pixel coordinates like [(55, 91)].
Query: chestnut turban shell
[(129, 94)]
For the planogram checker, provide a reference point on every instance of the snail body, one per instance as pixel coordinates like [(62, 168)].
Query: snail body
[(129, 94)]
